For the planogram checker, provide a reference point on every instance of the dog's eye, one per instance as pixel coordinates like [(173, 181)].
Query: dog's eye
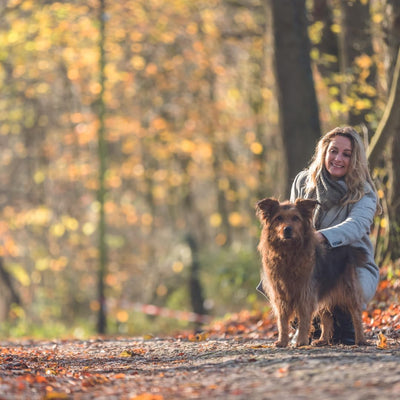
[(295, 218), (279, 218)]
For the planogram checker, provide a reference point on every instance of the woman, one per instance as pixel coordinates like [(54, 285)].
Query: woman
[(338, 177)]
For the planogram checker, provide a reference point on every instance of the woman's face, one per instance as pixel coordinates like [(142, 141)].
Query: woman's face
[(338, 155)]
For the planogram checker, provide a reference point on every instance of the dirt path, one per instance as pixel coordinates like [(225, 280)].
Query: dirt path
[(157, 369)]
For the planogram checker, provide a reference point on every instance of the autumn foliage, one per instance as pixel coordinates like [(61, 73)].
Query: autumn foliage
[(193, 141)]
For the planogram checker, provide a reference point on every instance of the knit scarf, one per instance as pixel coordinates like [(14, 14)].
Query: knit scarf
[(329, 192)]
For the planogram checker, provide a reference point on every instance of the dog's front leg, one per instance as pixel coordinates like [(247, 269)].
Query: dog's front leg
[(283, 329)]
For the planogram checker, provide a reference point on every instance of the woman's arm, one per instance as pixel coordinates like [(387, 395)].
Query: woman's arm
[(356, 225)]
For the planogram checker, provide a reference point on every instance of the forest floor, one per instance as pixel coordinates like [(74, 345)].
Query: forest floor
[(231, 359), (196, 368)]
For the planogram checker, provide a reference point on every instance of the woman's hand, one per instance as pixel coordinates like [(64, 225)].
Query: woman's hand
[(320, 237)]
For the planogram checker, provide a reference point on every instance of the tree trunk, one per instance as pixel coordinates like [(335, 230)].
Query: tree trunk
[(356, 42), (393, 70), (394, 199), (298, 108), (328, 46), (102, 319), (389, 123), (10, 295), (196, 292)]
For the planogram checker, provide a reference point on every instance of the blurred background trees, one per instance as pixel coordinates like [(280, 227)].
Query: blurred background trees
[(208, 106)]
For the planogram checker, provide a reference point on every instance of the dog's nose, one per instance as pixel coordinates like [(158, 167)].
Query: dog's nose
[(287, 232)]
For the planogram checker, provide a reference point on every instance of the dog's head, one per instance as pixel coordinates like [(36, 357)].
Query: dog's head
[(286, 221)]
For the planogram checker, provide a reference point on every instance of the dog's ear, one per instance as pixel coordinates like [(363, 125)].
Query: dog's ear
[(266, 208), (306, 207)]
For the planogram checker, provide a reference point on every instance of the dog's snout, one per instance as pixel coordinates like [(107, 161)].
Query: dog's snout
[(287, 232)]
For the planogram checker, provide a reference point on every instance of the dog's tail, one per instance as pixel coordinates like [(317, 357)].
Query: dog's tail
[(332, 264)]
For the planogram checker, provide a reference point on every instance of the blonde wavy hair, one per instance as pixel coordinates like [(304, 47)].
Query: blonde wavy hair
[(358, 172)]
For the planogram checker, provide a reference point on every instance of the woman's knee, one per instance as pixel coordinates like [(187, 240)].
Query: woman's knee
[(369, 283)]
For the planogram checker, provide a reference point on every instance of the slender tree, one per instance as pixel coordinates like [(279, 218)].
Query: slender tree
[(195, 288), (102, 319)]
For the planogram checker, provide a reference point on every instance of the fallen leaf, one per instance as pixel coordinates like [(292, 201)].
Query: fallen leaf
[(51, 372), (56, 396), (148, 337), (133, 352), (126, 353), (94, 380), (382, 342), (282, 371), (261, 346), (199, 337), (148, 396), (40, 379)]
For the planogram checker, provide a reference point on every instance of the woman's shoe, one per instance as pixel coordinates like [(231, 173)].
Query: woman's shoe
[(343, 328)]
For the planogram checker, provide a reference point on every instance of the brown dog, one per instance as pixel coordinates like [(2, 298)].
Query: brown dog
[(302, 277)]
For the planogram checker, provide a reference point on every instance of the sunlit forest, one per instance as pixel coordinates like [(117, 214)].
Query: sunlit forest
[(137, 136)]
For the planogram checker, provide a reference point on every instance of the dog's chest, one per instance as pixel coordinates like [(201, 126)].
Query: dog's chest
[(292, 271)]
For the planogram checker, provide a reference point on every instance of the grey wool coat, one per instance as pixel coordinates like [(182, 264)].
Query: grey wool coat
[(349, 225)]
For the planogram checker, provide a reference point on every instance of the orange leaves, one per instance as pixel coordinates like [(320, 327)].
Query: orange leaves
[(56, 396), (7, 244), (256, 148), (387, 319), (382, 342), (235, 219), (133, 352), (138, 63), (94, 380), (199, 337), (365, 63), (159, 124), (147, 396), (188, 146), (245, 322), (282, 371)]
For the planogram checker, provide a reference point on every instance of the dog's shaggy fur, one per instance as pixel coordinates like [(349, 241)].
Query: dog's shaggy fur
[(304, 278)]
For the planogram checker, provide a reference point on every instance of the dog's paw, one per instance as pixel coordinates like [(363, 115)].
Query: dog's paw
[(281, 343), (320, 343), (302, 340), (302, 343)]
